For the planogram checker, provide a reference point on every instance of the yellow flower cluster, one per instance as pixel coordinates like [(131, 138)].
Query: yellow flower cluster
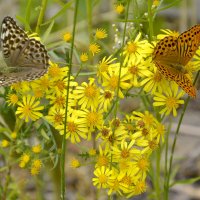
[(123, 160)]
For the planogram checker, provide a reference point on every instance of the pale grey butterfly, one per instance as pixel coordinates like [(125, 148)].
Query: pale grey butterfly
[(26, 58)]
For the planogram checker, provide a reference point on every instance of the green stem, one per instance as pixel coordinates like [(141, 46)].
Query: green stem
[(41, 15), (62, 161), (157, 175), (121, 61), (150, 19)]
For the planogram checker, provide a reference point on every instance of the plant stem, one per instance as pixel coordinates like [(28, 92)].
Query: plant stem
[(62, 161), (41, 15)]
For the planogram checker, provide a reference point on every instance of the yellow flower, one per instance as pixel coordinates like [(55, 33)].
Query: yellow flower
[(135, 49), (92, 152), (36, 166), (138, 69), (56, 72), (105, 99), (154, 81), (87, 94), (24, 160), (92, 119), (75, 163), (75, 128), (104, 65), (29, 109), (67, 37), (111, 80), (103, 159), (170, 100), (12, 99), (4, 143), (119, 8), (36, 148), (94, 48), (156, 2), (56, 116), (84, 57), (144, 120), (100, 33), (125, 151), (167, 32), (13, 135), (102, 177)]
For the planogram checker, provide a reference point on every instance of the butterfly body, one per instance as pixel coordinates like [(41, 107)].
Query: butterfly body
[(26, 58), (171, 54)]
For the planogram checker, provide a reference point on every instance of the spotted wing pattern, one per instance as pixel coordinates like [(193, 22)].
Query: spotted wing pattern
[(26, 58), (171, 54)]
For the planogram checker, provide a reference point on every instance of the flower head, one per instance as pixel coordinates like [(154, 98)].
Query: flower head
[(101, 33), (94, 48), (170, 100), (29, 108)]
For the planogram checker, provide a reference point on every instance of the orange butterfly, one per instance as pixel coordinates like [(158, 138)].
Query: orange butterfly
[(171, 54)]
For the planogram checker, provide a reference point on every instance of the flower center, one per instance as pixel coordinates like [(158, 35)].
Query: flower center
[(157, 77), (126, 180), (104, 132), (131, 48), (107, 95), (102, 161), (102, 179), (103, 67), (60, 101), (27, 109), (71, 126), (125, 153), (133, 70), (152, 145), (171, 102), (58, 118), (114, 82), (90, 91), (143, 164), (92, 118), (60, 84)]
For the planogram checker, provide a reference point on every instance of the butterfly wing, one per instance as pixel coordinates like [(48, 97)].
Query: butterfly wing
[(166, 51), (179, 77), (26, 74), (13, 41), (26, 58), (187, 44)]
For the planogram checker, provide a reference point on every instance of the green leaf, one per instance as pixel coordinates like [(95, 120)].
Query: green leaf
[(186, 181)]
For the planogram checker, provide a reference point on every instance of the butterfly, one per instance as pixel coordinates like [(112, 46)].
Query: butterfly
[(26, 58), (171, 54)]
